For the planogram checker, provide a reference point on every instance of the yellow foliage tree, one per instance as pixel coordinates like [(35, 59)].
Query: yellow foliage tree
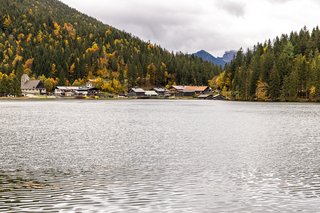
[(57, 28), (49, 83), (262, 91), (40, 36), (53, 69), (76, 83), (69, 28), (27, 66), (152, 69), (17, 59), (7, 22), (117, 86), (93, 49), (72, 68), (98, 83), (312, 92), (107, 86)]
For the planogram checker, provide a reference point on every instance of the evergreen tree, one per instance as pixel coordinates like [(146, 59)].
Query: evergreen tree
[(275, 87)]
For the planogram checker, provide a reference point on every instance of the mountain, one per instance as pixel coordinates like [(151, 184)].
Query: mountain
[(229, 56), (220, 61), (50, 41), (210, 58)]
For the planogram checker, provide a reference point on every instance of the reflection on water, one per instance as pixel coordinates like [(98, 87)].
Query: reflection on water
[(159, 156), (9, 183)]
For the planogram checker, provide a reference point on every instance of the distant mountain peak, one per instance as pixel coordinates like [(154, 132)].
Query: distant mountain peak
[(221, 61), (210, 58), (229, 55)]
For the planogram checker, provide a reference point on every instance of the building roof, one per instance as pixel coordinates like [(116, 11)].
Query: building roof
[(197, 88), (151, 93), (67, 88), (191, 88), (160, 89), (138, 90), (32, 84), (178, 87)]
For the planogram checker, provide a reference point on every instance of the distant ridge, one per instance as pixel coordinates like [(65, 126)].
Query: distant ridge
[(220, 61)]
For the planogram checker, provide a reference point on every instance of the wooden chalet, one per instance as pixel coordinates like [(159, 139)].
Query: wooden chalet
[(189, 90), (136, 92), (161, 91)]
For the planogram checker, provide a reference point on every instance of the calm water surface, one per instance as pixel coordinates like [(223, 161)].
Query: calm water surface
[(159, 156)]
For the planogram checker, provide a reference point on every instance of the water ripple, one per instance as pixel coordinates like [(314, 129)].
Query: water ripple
[(159, 156)]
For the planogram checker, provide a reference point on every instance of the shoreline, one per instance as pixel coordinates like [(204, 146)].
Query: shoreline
[(53, 98)]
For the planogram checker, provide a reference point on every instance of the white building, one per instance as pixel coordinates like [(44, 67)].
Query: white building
[(151, 93), (65, 91), (31, 87)]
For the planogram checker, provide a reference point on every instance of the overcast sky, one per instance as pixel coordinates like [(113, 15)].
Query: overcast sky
[(212, 25)]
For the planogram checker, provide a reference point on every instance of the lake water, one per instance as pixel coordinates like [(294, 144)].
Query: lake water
[(159, 156)]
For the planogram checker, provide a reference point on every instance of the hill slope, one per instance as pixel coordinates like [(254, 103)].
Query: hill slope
[(51, 41)]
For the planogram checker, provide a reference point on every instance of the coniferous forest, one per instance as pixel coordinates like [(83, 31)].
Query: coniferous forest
[(285, 69), (52, 42)]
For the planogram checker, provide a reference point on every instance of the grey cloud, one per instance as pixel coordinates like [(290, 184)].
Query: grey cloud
[(232, 7), (213, 25), (148, 21), (280, 1)]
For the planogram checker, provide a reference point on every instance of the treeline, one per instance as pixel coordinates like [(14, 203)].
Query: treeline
[(9, 85), (49, 39), (286, 69)]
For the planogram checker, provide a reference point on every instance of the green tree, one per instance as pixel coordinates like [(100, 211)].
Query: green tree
[(275, 84)]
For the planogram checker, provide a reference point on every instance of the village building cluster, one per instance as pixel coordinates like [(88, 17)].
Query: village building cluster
[(36, 87)]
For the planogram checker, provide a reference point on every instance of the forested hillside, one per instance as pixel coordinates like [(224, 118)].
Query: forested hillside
[(50, 41), (286, 69)]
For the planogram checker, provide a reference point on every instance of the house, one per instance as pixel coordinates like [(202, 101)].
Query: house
[(87, 91), (136, 92), (189, 90), (151, 93), (160, 91), (198, 89), (65, 91), (31, 87), (176, 90)]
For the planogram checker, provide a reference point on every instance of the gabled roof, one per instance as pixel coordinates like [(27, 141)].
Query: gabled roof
[(191, 88), (196, 88), (32, 84), (137, 90), (67, 88), (151, 92), (178, 87), (160, 89)]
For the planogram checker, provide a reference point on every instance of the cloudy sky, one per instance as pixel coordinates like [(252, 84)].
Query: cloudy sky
[(212, 25)]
